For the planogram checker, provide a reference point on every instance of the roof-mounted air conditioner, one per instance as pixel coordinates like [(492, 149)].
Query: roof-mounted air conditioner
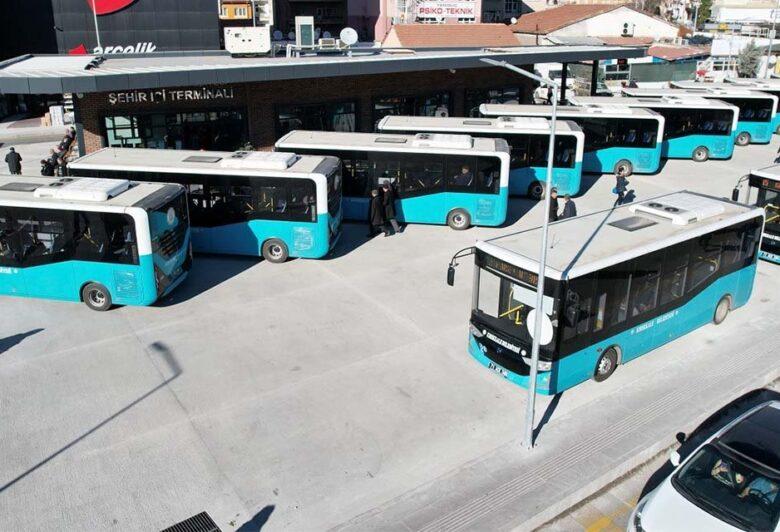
[(681, 208), (440, 140), (524, 122), (83, 189), (259, 160)]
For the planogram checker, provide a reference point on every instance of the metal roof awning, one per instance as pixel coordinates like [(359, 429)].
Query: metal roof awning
[(56, 74)]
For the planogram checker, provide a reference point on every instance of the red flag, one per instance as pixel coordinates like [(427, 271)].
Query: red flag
[(78, 50)]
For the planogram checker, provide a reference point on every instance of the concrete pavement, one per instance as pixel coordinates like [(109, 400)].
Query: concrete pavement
[(338, 394)]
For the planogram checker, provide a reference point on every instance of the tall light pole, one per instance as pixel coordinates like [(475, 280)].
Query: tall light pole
[(771, 39), (93, 3), (539, 314)]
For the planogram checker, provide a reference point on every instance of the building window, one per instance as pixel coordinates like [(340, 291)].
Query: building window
[(512, 8), (205, 130), (476, 97), (223, 11), (241, 12), (340, 116), (617, 72), (427, 105)]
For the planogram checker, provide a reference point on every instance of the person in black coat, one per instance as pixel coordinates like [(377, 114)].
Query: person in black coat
[(14, 161), (553, 214), (46, 168), (569, 208), (388, 201), (376, 215)]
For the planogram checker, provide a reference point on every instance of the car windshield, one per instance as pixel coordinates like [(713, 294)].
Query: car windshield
[(731, 489)]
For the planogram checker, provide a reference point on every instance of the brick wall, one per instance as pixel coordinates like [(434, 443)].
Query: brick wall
[(260, 98)]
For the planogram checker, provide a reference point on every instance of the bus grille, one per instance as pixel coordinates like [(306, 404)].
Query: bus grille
[(172, 240), (197, 523)]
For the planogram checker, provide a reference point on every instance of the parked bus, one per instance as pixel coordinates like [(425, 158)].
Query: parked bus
[(619, 140), (528, 139), (454, 179), (619, 283), (99, 241), (757, 110), (277, 205), (694, 128), (768, 86), (764, 192)]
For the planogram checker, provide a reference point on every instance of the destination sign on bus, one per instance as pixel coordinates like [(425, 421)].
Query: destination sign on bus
[(499, 266), (763, 182)]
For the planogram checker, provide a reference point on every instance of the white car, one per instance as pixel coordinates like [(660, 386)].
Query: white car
[(730, 482)]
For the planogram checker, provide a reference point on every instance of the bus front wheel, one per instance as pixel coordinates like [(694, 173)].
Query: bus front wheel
[(701, 154), (536, 190), (743, 139), (274, 250), (722, 310), (606, 365), (459, 220), (624, 168), (96, 296)]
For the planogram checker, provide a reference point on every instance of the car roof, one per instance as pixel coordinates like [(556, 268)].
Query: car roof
[(757, 436)]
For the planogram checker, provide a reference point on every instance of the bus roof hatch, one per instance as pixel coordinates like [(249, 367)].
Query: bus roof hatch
[(439, 140), (681, 209), (83, 189), (259, 160), (524, 122)]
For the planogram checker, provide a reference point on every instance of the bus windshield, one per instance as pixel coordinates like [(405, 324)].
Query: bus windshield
[(770, 201), (168, 224), (334, 191)]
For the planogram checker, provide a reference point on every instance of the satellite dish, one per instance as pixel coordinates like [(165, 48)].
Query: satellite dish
[(278, 35), (326, 35), (513, 20), (547, 327), (291, 36), (348, 36)]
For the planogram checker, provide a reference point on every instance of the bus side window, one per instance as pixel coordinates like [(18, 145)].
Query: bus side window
[(519, 152), (198, 202), (302, 203), (10, 244), (44, 236), (612, 294), (120, 238), (750, 241), (705, 260), (644, 284), (578, 314), (422, 174), (537, 150), (565, 148), (385, 168), (242, 202), (460, 171), (271, 199), (675, 271), (488, 174)]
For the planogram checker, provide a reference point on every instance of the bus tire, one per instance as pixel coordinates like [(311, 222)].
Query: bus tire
[(700, 154), (606, 364), (743, 139), (624, 168), (722, 310), (459, 219), (275, 251), (96, 297), (536, 190)]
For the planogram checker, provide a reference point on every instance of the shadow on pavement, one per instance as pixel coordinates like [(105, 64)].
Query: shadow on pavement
[(708, 427), (258, 521), (9, 341), (547, 415), (175, 370), (517, 208), (353, 235), (207, 272)]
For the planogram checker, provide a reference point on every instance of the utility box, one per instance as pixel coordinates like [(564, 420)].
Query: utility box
[(248, 40), (304, 32)]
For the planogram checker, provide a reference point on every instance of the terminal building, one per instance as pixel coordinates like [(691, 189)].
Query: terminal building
[(212, 101)]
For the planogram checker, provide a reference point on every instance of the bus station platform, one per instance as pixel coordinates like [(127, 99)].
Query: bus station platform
[(339, 394)]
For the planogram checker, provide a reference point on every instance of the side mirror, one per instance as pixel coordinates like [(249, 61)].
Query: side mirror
[(735, 194), (451, 275), (674, 458)]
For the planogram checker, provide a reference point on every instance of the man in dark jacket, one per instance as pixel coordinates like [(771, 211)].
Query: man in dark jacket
[(388, 201), (569, 208), (553, 214), (376, 215), (46, 168), (14, 161)]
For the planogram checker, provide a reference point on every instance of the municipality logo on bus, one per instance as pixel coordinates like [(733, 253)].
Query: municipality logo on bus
[(106, 7)]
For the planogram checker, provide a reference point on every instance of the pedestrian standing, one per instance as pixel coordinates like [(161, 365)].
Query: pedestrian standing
[(14, 161), (46, 168), (376, 215), (621, 185), (388, 201), (569, 208), (553, 214)]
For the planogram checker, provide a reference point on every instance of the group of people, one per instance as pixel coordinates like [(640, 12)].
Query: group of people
[(381, 211), (569, 207), (56, 163)]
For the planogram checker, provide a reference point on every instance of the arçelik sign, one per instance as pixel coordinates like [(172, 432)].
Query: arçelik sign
[(447, 9), (171, 95)]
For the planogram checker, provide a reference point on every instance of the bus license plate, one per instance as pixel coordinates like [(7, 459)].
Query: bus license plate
[(498, 369)]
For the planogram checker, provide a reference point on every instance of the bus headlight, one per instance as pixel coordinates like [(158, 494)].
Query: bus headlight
[(475, 331), (544, 365), (637, 522)]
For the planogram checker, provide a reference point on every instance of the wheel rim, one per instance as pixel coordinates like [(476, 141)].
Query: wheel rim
[(721, 311), (275, 250), (605, 365), (537, 191), (742, 138), (622, 169), (97, 298), (458, 220), (700, 154)]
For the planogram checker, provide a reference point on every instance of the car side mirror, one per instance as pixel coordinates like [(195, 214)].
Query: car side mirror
[(451, 275), (674, 458), (735, 194)]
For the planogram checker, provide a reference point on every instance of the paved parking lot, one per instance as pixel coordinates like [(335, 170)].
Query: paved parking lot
[(335, 393)]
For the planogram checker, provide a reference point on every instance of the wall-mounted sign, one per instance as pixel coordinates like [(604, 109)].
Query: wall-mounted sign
[(447, 9), (171, 95)]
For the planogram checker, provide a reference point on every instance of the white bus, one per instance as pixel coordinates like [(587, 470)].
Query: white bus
[(277, 205), (618, 139), (528, 138), (768, 86), (456, 180), (694, 128), (764, 191), (100, 241)]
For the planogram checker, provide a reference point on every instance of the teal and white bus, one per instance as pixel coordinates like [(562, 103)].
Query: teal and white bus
[(277, 205), (618, 140), (768, 86), (763, 190), (100, 241), (694, 128), (757, 110), (619, 283), (456, 180), (528, 139)]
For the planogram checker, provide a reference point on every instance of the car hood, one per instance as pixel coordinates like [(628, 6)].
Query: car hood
[(668, 510)]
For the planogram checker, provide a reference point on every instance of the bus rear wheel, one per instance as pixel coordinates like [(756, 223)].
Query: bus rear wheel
[(275, 251), (536, 190), (459, 220), (701, 154), (96, 297), (624, 168), (743, 139), (606, 365), (722, 310)]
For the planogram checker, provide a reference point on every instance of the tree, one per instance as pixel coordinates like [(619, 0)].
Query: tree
[(705, 10), (747, 60)]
